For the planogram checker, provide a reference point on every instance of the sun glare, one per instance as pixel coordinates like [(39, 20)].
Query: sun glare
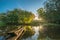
[(41, 28)]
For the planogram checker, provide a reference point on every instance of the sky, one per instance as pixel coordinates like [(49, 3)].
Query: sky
[(29, 5)]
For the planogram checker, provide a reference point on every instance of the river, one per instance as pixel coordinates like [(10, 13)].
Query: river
[(34, 37)]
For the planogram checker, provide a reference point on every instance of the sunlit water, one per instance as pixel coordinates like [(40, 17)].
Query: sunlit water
[(35, 36)]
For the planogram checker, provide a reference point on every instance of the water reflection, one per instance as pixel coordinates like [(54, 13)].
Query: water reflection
[(1, 37), (35, 36)]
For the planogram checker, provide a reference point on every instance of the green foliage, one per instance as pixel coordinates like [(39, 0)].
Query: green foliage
[(2, 17), (2, 24), (53, 16), (52, 9), (20, 16), (2, 20), (25, 17), (41, 12), (29, 32), (12, 17), (51, 13), (17, 16)]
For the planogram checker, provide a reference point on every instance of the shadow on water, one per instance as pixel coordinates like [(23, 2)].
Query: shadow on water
[(2, 38), (35, 36), (29, 36), (38, 34)]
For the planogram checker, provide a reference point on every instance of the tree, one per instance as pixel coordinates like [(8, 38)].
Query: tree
[(12, 17), (52, 9), (19, 16), (50, 12), (42, 14), (53, 16), (25, 17), (3, 19)]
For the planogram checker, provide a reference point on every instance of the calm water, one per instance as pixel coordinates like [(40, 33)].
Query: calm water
[(1, 38), (34, 37)]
